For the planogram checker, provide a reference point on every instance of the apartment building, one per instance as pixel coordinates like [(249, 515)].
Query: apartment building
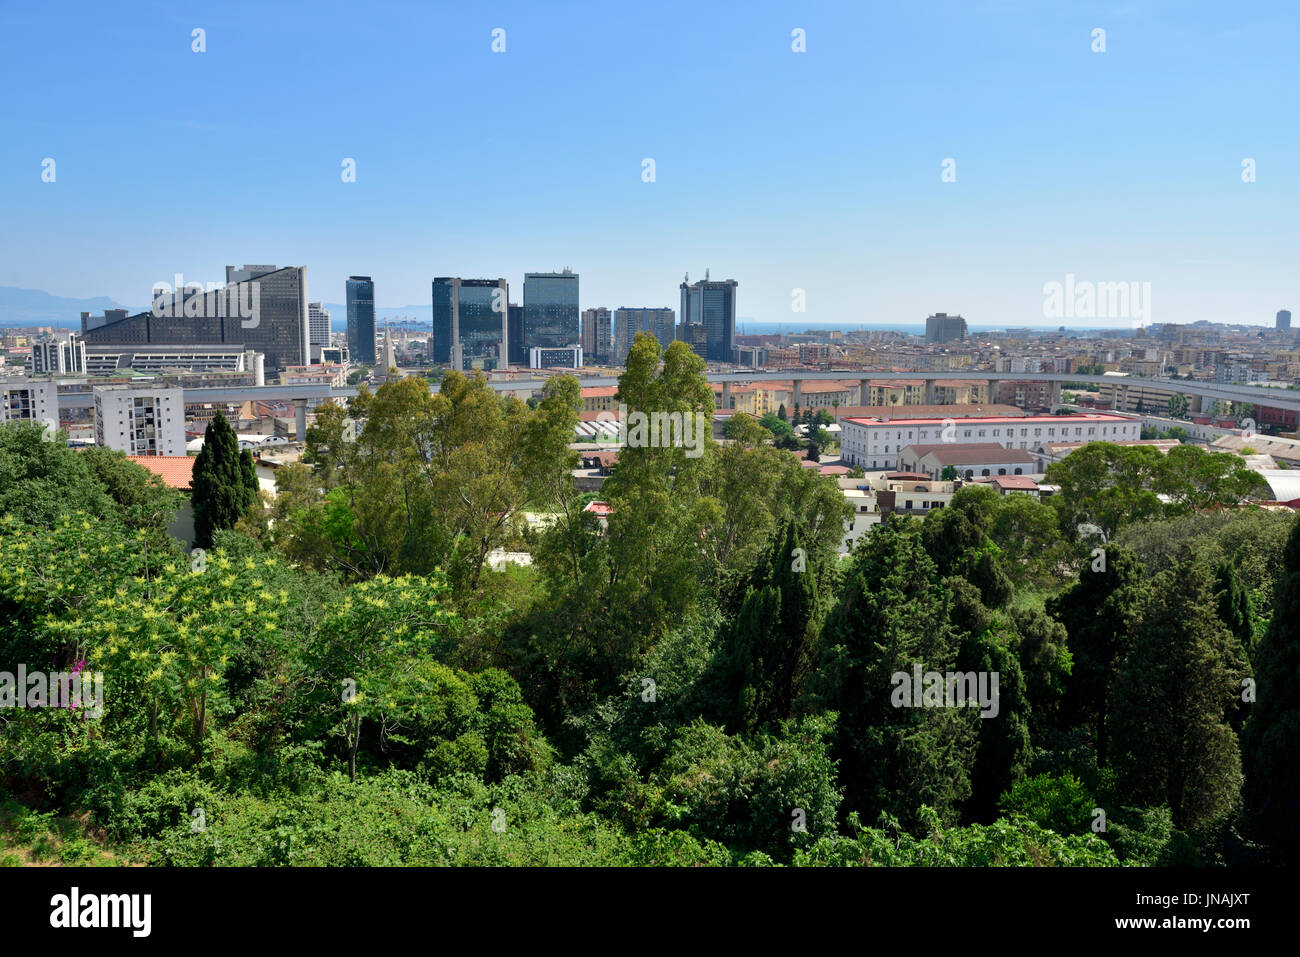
[(147, 421), (27, 400)]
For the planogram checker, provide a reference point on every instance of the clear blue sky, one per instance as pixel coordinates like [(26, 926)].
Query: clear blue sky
[(817, 170)]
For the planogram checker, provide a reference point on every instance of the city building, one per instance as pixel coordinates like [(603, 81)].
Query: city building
[(710, 305), (471, 323), (515, 335), (551, 318), (318, 319), (140, 421), (263, 308), (1284, 319), (27, 400), (942, 327), (966, 461), (876, 442), (566, 357), (596, 334), (361, 320), (53, 356), (660, 323)]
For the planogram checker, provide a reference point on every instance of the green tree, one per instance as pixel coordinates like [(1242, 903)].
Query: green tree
[(223, 485), (892, 615), (771, 643), (1100, 612), (1271, 738), (1173, 744)]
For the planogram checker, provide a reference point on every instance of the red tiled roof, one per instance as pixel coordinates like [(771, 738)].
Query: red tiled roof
[(175, 470)]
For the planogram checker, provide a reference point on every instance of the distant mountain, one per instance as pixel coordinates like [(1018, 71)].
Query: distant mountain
[(32, 307)]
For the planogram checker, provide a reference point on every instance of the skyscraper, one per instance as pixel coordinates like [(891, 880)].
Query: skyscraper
[(262, 308), (361, 320), (551, 309), (471, 322), (595, 333), (1284, 319), (660, 323), (711, 304), (942, 327), (318, 319), (515, 334)]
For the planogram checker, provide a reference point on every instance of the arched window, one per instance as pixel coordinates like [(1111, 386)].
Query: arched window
[(1017, 471), (984, 472), (1002, 471)]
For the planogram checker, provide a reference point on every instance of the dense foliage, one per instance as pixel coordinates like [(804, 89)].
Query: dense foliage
[(693, 676)]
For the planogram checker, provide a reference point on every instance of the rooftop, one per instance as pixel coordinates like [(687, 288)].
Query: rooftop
[(971, 453), (175, 470)]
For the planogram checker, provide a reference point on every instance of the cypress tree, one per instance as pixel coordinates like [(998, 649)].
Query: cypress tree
[(223, 486), (772, 642), (1272, 733), (1173, 744)]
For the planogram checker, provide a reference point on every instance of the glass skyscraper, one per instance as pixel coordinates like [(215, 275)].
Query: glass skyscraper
[(361, 320), (470, 322), (551, 309), (711, 304)]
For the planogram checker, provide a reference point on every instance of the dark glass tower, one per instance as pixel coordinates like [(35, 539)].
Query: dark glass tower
[(551, 309), (470, 322), (711, 304), (361, 320), (515, 333)]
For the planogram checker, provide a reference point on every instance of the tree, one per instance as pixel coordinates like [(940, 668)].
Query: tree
[(224, 484), (892, 615), (1101, 613), (949, 473), (1271, 738), (1178, 406), (771, 642), (1173, 744), (780, 412)]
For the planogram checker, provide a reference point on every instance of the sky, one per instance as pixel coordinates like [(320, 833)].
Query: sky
[(820, 171)]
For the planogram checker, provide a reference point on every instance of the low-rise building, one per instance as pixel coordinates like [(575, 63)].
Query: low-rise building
[(966, 461)]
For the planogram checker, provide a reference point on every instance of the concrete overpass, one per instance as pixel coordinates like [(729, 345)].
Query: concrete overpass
[(299, 395)]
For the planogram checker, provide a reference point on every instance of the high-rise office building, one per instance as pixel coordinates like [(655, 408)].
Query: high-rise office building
[(318, 319), (263, 308), (53, 356), (471, 322), (551, 309), (361, 320), (596, 334), (711, 304), (1284, 319), (660, 323), (515, 334), (942, 327)]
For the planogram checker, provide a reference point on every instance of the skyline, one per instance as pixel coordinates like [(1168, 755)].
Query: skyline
[(818, 171)]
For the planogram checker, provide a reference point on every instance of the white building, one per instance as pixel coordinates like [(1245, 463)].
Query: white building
[(875, 442), (29, 401), (141, 421), (52, 356)]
